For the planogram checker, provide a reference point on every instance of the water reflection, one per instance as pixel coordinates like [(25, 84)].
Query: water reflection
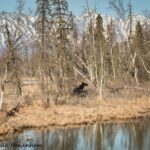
[(127, 136)]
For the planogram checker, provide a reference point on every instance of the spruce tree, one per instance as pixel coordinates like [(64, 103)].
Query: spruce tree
[(61, 26), (130, 19), (100, 43), (111, 42), (140, 51), (139, 38), (99, 30), (42, 26)]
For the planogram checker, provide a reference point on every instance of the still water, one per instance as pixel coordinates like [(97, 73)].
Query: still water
[(123, 136)]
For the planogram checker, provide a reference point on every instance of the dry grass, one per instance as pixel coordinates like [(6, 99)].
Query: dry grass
[(35, 116), (121, 106)]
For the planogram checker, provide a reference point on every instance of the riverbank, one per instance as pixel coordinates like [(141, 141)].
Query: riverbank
[(35, 116)]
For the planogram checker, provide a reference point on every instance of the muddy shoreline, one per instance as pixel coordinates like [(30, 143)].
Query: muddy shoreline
[(61, 116)]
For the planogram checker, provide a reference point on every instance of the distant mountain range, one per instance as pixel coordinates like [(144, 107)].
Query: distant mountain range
[(121, 26), (28, 30), (26, 27)]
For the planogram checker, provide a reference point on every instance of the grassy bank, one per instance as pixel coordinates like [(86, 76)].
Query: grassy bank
[(35, 116)]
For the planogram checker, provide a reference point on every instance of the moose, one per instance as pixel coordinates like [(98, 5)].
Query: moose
[(80, 91)]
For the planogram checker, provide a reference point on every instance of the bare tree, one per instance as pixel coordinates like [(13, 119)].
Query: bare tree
[(13, 62), (119, 8)]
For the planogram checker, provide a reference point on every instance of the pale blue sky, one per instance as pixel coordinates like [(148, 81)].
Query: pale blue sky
[(77, 6)]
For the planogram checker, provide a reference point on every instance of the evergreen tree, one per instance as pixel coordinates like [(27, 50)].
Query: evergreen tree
[(111, 42), (61, 19), (130, 20), (139, 39), (99, 31), (100, 44), (61, 22), (42, 25), (140, 51)]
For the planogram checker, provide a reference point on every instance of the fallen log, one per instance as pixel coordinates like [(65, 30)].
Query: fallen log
[(13, 111), (114, 88)]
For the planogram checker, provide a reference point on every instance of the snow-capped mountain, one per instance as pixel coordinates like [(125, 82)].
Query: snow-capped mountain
[(26, 26), (121, 26), (29, 33)]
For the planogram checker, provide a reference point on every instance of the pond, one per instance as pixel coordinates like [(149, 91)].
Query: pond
[(116, 136)]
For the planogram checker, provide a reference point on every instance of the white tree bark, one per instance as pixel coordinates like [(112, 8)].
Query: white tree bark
[(2, 95)]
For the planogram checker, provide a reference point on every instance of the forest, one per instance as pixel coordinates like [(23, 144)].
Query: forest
[(62, 65)]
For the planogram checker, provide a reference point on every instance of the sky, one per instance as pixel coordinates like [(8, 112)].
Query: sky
[(78, 6)]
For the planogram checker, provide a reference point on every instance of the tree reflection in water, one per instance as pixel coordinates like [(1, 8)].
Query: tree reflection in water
[(124, 136)]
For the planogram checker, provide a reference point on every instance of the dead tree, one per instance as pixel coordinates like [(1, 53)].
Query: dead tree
[(12, 59), (114, 89), (119, 8)]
